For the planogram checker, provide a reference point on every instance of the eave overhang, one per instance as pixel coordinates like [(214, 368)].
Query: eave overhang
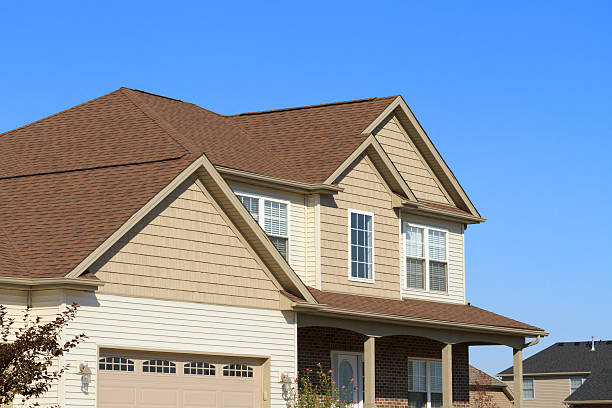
[(51, 283), (324, 309), (281, 184)]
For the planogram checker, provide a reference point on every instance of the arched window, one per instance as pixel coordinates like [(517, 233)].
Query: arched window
[(237, 370), (198, 368), (159, 366), (115, 364)]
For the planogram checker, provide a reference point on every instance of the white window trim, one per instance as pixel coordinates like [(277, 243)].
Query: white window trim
[(427, 376), (426, 259), (350, 277), (261, 216), (534, 394)]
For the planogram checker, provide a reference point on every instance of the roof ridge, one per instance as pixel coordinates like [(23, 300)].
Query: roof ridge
[(90, 168), (175, 135), (153, 94), (245, 133), (313, 106), (57, 113)]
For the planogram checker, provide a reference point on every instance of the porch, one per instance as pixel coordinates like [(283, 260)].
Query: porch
[(399, 360)]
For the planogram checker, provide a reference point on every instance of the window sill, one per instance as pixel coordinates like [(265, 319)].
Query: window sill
[(418, 290), (361, 280)]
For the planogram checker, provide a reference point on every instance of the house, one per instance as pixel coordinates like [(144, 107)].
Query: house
[(486, 388), (576, 374), (214, 257)]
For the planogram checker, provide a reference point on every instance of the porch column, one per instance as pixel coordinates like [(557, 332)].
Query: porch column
[(518, 378), (369, 373), (447, 376)]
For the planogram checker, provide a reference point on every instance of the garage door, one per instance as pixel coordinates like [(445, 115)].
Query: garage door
[(129, 379)]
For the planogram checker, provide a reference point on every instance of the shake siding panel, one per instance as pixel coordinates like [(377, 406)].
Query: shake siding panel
[(179, 327), (187, 251), (363, 190), (409, 162)]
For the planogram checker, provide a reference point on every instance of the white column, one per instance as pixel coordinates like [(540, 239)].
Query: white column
[(447, 376), (369, 373), (518, 377)]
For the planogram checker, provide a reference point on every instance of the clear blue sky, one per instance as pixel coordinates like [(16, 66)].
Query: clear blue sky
[(516, 96)]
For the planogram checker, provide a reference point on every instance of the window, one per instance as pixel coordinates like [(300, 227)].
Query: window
[(528, 389), (426, 259), (159, 366), (115, 364), (272, 216), (198, 368), (238, 370), (575, 383), (424, 384), (361, 245)]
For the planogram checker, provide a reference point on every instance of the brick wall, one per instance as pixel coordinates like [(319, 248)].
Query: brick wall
[(316, 343)]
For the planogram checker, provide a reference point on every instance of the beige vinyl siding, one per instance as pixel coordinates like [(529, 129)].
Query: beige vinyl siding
[(46, 305), (155, 325), (186, 250), (455, 269), (15, 302), (409, 162), (363, 190), (297, 227), (549, 392)]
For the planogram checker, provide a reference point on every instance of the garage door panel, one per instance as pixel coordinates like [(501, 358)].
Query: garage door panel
[(200, 399), (236, 399), (197, 381)]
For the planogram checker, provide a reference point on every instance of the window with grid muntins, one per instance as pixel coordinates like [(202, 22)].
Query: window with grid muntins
[(159, 366), (198, 368), (426, 263), (238, 370), (575, 383), (361, 246), (115, 364), (528, 389)]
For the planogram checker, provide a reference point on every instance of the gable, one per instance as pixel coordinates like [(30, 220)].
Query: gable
[(409, 162), (364, 190), (187, 250)]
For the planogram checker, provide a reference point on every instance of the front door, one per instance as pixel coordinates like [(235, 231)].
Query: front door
[(349, 374)]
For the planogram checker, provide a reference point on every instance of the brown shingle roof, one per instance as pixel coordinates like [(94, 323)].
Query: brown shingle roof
[(313, 140), (420, 309), (68, 181), (476, 376)]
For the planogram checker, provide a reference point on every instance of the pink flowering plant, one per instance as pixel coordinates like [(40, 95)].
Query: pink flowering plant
[(317, 389)]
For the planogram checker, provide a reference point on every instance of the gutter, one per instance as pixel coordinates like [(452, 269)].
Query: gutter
[(51, 283), (423, 209), (415, 321), (284, 184), (589, 402)]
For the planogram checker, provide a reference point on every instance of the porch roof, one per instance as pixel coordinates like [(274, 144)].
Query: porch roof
[(414, 310)]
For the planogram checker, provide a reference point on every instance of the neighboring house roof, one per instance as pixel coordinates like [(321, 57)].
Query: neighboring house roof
[(423, 310), (576, 357), (476, 376), (568, 357), (597, 387)]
